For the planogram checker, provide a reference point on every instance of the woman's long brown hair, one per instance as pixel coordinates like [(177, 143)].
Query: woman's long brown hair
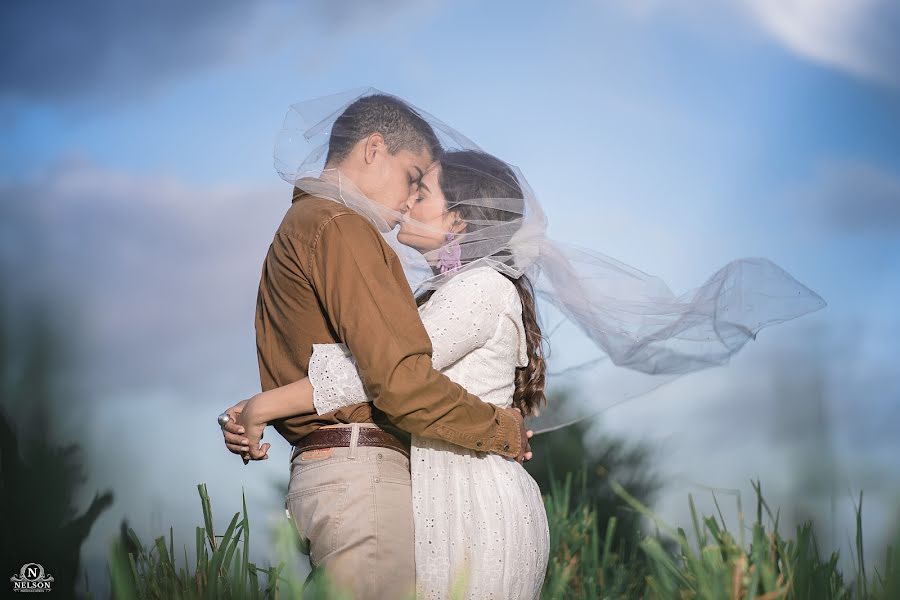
[(467, 175)]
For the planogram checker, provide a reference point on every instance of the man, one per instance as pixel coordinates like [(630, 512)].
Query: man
[(330, 277)]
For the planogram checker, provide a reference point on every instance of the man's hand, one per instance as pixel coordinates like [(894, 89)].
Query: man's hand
[(528, 454), (525, 448)]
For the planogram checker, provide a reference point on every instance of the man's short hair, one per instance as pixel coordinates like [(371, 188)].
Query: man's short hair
[(401, 126)]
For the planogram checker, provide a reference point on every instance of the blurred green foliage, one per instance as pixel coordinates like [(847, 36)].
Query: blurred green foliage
[(39, 477)]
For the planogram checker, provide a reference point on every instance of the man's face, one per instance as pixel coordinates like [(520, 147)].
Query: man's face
[(392, 179), (429, 221)]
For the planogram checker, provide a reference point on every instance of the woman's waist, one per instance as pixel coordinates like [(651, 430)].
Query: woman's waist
[(432, 452)]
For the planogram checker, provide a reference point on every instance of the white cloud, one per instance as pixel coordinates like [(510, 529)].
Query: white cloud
[(160, 275), (858, 36), (861, 37)]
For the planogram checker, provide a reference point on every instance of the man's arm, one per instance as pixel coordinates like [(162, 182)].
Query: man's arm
[(371, 308)]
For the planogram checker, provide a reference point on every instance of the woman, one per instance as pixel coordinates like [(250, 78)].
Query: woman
[(477, 516)]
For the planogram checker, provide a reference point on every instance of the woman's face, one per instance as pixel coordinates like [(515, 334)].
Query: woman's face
[(429, 220)]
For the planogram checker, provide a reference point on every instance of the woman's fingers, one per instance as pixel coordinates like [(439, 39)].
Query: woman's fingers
[(235, 436), (236, 439), (528, 455), (233, 427), (529, 434), (237, 448), (235, 442), (258, 453)]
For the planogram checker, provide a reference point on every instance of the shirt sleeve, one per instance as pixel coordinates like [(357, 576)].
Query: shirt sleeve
[(462, 317), (364, 294)]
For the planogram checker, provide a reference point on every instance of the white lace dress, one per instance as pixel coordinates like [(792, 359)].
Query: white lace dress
[(474, 512)]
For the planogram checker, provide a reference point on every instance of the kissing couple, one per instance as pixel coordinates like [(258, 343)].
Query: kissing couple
[(406, 412)]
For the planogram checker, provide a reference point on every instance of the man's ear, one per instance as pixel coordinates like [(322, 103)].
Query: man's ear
[(374, 145)]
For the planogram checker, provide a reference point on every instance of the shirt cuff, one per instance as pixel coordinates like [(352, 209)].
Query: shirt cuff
[(508, 439)]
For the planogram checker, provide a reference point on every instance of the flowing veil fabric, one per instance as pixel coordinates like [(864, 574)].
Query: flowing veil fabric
[(614, 332)]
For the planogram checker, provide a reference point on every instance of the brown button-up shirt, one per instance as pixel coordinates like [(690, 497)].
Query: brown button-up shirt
[(330, 277)]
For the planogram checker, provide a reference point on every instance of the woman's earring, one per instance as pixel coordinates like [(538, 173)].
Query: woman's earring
[(450, 254)]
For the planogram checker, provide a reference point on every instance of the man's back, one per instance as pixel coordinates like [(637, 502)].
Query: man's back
[(290, 317)]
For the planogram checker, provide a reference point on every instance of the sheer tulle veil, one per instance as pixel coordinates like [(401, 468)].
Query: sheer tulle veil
[(613, 332)]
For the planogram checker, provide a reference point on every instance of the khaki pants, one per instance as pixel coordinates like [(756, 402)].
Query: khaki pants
[(353, 510)]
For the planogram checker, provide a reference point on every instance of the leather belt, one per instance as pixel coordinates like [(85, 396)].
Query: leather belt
[(339, 437)]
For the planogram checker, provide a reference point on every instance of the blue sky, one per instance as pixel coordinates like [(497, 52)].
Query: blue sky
[(672, 137)]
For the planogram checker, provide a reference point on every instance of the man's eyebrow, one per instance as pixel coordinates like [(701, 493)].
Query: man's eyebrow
[(421, 172)]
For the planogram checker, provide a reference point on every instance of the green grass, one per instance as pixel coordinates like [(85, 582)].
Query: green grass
[(755, 562), (219, 567)]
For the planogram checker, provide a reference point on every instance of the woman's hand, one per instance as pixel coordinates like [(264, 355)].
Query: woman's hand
[(235, 431), (254, 424)]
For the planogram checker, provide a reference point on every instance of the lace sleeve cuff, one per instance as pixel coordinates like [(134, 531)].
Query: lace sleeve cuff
[(334, 378)]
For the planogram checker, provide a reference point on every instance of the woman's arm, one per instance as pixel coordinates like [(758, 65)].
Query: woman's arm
[(249, 418), (285, 401)]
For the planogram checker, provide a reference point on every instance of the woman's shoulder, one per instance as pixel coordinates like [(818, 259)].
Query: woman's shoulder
[(483, 276), (479, 285)]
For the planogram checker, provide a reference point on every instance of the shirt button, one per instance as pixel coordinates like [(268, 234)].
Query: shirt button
[(478, 444), (506, 447)]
